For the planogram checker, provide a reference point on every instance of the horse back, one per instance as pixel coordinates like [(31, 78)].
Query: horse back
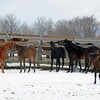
[(27, 52)]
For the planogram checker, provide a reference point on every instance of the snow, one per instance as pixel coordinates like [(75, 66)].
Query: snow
[(45, 85)]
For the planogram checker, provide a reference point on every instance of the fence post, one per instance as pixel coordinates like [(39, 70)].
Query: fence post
[(39, 54)]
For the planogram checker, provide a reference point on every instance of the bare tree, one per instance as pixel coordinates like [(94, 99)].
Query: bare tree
[(89, 26), (25, 28), (78, 27), (40, 26), (9, 24), (61, 27), (67, 28), (49, 27)]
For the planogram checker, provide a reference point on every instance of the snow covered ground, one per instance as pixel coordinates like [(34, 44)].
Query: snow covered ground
[(45, 85)]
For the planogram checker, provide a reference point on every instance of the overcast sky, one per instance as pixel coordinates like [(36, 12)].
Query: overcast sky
[(30, 10)]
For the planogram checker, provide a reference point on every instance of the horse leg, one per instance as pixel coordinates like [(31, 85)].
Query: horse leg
[(99, 75), (29, 65), (69, 65), (75, 63), (85, 65), (57, 69), (56, 64), (34, 60), (2, 66), (51, 64), (24, 65), (88, 65), (95, 75), (62, 62), (20, 64), (72, 62), (80, 66)]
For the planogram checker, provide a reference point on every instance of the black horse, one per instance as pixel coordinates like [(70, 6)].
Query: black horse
[(57, 53), (77, 53)]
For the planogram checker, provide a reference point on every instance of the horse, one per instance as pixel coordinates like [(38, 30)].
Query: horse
[(90, 49), (95, 60), (16, 40), (77, 53), (2, 40), (57, 53), (26, 52), (3, 53), (19, 39)]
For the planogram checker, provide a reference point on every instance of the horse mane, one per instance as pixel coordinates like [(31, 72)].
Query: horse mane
[(7, 45), (73, 45)]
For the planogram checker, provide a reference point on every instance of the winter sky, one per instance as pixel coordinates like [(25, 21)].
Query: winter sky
[(29, 10)]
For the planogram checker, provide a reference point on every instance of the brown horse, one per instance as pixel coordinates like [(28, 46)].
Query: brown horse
[(26, 52), (3, 52), (95, 59), (16, 40)]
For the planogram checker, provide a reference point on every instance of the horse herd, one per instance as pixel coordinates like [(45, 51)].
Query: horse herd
[(76, 52)]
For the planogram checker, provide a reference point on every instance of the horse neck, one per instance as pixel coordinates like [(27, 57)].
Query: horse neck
[(53, 46), (7, 45), (21, 49), (68, 48)]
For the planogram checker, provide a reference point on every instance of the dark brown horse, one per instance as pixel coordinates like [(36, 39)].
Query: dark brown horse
[(2, 40), (77, 53), (19, 39), (95, 59), (26, 52), (3, 53), (16, 39)]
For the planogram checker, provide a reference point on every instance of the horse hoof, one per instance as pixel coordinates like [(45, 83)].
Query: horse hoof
[(94, 82), (68, 71), (20, 71)]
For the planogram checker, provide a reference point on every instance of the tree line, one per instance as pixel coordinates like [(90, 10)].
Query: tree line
[(78, 27)]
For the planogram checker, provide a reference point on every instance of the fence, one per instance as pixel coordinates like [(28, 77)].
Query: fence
[(36, 41)]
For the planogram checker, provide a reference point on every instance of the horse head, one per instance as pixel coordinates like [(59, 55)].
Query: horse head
[(52, 43)]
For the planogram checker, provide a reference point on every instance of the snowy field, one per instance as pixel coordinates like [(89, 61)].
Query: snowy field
[(45, 85)]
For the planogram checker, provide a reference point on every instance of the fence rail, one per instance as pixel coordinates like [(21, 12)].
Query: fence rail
[(35, 40)]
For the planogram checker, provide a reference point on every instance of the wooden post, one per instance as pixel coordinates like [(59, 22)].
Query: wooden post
[(39, 54)]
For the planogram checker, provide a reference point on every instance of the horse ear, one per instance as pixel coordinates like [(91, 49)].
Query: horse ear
[(66, 39)]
